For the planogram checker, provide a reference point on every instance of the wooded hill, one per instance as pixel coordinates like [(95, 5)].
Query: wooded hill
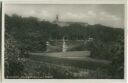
[(30, 27), (31, 34)]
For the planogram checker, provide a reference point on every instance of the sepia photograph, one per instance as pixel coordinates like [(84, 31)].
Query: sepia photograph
[(64, 41)]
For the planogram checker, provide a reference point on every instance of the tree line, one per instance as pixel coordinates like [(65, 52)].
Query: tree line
[(31, 34)]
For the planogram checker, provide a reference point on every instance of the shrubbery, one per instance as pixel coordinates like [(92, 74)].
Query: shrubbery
[(13, 62), (30, 34)]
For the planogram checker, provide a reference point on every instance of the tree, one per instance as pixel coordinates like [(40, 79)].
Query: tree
[(116, 68), (13, 62)]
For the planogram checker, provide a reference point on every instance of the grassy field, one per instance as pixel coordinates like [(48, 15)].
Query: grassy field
[(81, 62), (64, 54), (48, 67)]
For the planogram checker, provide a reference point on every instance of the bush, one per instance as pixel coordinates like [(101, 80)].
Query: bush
[(13, 62)]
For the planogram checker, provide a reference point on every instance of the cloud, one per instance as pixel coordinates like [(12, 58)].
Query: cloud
[(108, 16), (109, 19), (92, 14)]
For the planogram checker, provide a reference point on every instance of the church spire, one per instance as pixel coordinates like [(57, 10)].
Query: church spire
[(57, 18)]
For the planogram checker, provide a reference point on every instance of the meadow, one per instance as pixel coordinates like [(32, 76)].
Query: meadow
[(47, 67)]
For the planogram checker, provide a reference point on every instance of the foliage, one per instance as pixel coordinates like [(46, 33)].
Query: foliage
[(116, 68), (13, 62), (31, 34), (44, 70)]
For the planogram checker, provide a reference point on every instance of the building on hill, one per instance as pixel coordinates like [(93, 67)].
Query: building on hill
[(62, 23)]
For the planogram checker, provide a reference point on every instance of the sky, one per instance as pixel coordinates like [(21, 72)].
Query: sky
[(105, 14)]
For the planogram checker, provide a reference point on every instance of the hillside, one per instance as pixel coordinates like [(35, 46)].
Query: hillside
[(31, 34)]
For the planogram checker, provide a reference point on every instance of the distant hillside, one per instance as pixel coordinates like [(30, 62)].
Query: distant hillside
[(62, 23), (32, 34), (32, 27)]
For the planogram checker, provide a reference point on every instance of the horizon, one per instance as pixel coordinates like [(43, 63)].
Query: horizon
[(88, 13), (68, 21)]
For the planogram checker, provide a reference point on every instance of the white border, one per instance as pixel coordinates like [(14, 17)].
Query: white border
[(125, 43), (62, 80), (3, 29), (65, 1)]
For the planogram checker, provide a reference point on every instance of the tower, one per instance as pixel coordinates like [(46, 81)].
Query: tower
[(57, 19)]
